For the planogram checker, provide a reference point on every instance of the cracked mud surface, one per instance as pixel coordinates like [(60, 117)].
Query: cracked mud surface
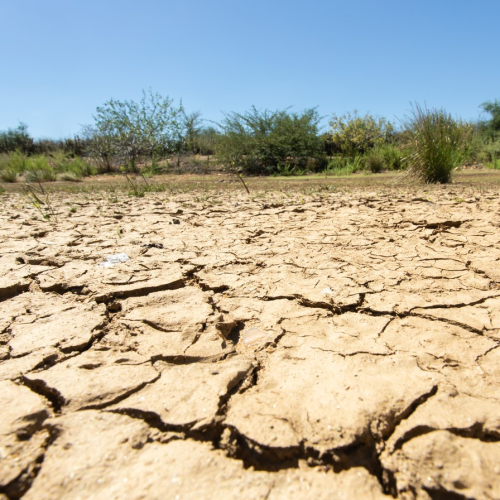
[(344, 345)]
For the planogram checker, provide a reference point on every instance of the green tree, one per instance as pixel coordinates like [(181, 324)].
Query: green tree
[(129, 132), (205, 141), (488, 140), (493, 108), (260, 142), (99, 147), (17, 139), (192, 125), (355, 135)]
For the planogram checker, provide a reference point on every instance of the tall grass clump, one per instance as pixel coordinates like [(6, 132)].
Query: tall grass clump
[(12, 166), (39, 170), (375, 163), (436, 143), (7, 174), (81, 168), (68, 168)]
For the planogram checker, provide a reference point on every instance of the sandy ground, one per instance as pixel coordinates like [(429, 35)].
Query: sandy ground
[(338, 345)]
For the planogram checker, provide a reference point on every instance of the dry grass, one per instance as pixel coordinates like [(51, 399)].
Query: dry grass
[(227, 182)]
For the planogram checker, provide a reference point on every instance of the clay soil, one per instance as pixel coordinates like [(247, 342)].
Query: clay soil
[(334, 342)]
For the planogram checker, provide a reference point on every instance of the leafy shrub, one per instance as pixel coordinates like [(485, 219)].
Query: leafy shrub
[(317, 164), (495, 164), (288, 170), (342, 165), (485, 149), (355, 135), (437, 144), (259, 141), (490, 153), (357, 164), (392, 156)]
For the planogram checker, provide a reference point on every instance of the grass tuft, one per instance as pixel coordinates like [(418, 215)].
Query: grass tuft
[(437, 144), (8, 175)]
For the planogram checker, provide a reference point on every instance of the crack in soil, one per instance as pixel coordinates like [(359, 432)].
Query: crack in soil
[(18, 487)]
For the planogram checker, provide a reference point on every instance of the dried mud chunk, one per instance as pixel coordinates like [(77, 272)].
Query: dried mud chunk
[(444, 464), (66, 325), (104, 455), (402, 301), (493, 307), (327, 401), (350, 333), (15, 277), (126, 282), (231, 276), (475, 380), (155, 344), (209, 346), (476, 317), (12, 285), (21, 442), (263, 313), (490, 364), (170, 311), (224, 328), (449, 410), (13, 368), (90, 449), (10, 310), (166, 324), (188, 395), (334, 291), (73, 274), (436, 343), (488, 267), (94, 378), (315, 484)]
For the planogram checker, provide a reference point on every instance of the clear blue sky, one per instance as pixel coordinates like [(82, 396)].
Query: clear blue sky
[(60, 59)]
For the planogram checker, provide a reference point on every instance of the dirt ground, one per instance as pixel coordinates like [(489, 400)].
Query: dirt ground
[(336, 344)]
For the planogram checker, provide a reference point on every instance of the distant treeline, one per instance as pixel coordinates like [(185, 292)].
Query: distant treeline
[(18, 139), (156, 134)]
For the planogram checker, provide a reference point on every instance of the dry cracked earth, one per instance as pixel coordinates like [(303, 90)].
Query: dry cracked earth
[(344, 345)]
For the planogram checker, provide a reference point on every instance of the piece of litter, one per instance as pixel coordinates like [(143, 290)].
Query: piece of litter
[(252, 335), (112, 260), (327, 291)]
